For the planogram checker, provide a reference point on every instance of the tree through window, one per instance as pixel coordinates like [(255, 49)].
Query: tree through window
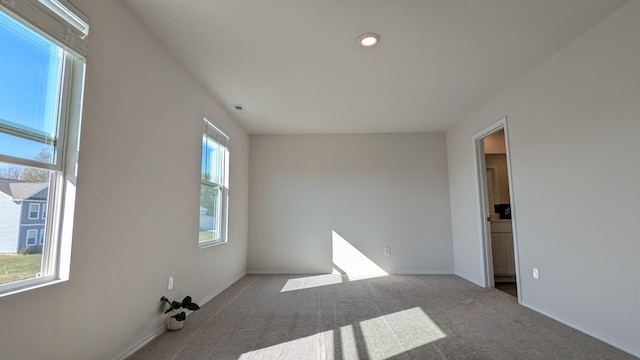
[(213, 185)]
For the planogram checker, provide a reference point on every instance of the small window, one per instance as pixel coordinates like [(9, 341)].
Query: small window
[(44, 211), (214, 186), (32, 236), (41, 236), (34, 211)]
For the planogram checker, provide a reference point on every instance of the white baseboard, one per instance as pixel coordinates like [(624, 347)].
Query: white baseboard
[(470, 279), (223, 288), (604, 339), (422, 272), (408, 272), (133, 349), (281, 272)]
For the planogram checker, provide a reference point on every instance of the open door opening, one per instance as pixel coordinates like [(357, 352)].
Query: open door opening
[(497, 210)]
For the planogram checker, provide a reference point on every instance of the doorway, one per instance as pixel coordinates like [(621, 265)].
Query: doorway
[(497, 208)]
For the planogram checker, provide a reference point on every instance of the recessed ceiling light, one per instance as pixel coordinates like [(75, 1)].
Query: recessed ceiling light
[(368, 39)]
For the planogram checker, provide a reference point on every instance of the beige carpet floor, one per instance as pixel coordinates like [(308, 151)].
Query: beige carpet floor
[(392, 317)]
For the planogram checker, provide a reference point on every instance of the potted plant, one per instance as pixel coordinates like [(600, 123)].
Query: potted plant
[(176, 321)]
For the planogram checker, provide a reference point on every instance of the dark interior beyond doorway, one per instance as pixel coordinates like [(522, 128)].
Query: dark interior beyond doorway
[(508, 287)]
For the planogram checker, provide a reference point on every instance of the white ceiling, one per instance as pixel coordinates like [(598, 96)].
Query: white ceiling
[(296, 67)]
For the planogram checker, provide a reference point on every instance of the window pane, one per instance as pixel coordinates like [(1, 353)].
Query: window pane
[(36, 78), (34, 211), (210, 212), (32, 235), (212, 160), (31, 73), (23, 192)]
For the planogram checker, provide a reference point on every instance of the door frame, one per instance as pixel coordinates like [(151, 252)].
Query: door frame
[(481, 177)]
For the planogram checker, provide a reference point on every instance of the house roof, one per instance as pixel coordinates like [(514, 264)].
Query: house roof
[(20, 190)]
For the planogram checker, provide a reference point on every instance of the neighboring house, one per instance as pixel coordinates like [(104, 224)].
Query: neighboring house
[(23, 211), (206, 219)]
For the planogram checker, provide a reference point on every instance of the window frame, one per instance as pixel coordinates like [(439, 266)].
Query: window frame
[(215, 134), (35, 237), (37, 211), (40, 17), (44, 211)]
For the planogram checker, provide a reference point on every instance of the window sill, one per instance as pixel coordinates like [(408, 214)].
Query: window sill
[(208, 244), (29, 285)]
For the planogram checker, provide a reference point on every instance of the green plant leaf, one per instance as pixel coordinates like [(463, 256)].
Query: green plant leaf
[(186, 301), (180, 316), (176, 305), (192, 306)]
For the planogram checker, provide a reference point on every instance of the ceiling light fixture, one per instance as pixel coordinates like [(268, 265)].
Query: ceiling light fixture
[(368, 39)]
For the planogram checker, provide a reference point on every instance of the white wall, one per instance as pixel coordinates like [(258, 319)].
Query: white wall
[(374, 190), (137, 203), (574, 139)]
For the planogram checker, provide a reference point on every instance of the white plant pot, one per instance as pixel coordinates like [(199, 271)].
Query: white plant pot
[(173, 324)]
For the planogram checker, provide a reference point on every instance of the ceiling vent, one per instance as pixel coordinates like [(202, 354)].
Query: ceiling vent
[(239, 108)]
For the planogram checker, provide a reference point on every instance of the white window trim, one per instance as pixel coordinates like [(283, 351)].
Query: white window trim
[(216, 134), (37, 211), (58, 20), (56, 252), (35, 237)]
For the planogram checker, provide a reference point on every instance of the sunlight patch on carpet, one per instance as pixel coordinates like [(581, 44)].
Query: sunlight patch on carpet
[(393, 334), (383, 337), (307, 282)]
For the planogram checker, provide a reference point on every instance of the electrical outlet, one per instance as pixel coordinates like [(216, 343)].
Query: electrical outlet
[(387, 250), (170, 283), (536, 273)]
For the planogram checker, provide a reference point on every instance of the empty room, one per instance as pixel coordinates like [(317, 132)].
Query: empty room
[(411, 179)]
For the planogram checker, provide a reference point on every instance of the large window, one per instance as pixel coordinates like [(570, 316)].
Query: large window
[(42, 49), (214, 185)]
